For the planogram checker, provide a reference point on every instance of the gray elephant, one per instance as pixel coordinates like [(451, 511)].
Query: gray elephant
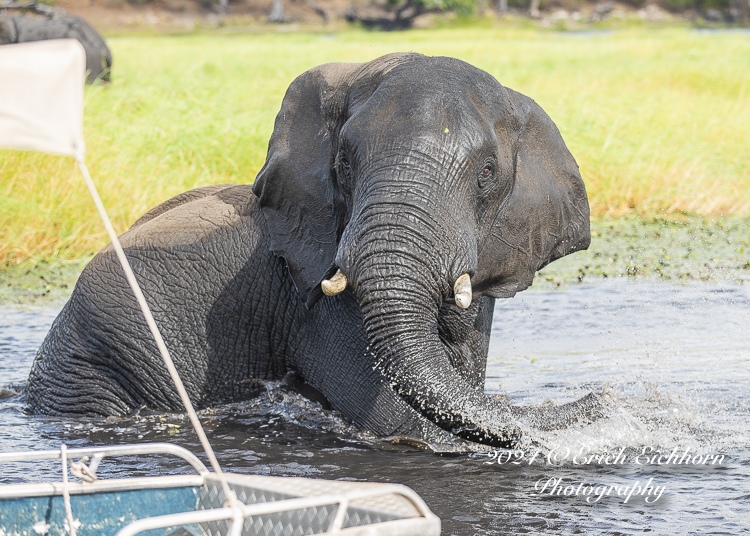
[(398, 200), (22, 29)]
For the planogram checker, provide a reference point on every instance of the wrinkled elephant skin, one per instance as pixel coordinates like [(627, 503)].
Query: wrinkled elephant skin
[(414, 177)]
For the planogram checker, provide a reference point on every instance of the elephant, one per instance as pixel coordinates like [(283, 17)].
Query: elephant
[(399, 199), (20, 29)]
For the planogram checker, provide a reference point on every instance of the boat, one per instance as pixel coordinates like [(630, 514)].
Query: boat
[(193, 504), (41, 109)]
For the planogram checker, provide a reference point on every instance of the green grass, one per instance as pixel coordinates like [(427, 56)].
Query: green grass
[(658, 120)]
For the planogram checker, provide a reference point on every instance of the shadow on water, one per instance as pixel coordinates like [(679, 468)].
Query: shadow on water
[(672, 457)]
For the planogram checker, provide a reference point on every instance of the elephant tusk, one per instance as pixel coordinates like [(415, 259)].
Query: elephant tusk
[(462, 291), (336, 284)]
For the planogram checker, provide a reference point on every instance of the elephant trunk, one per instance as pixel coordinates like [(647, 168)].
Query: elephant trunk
[(400, 282), (400, 317), (399, 302), (401, 322)]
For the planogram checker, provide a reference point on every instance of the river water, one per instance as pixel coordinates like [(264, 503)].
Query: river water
[(673, 360)]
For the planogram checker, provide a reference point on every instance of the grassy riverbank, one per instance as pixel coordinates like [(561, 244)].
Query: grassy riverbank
[(658, 121)]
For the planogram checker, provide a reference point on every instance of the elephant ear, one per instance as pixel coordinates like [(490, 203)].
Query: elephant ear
[(546, 214), (297, 186)]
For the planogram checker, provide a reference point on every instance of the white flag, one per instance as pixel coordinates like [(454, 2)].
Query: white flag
[(41, 97)]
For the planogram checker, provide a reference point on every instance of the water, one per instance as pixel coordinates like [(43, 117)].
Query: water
[(674, 360)]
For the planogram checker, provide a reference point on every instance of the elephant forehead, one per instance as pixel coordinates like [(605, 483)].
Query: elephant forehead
[(184, 225)]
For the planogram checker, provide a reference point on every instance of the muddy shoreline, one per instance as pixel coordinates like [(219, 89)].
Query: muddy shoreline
[(684, 250)]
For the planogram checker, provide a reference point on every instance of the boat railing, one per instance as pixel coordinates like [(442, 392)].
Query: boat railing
[(342, 501), (87, 473)]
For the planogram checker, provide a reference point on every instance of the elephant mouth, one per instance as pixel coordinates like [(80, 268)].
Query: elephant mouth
[(508, 290), (505, 287)]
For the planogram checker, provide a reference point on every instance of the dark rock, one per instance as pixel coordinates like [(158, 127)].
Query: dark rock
[(21, 29)]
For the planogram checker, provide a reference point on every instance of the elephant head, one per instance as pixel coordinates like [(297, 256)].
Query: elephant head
[(427, 184)]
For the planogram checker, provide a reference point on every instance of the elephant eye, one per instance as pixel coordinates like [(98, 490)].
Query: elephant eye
[(485, 176), (346, 168)]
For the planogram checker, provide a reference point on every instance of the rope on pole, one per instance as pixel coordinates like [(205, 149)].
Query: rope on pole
[(66, 493)]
